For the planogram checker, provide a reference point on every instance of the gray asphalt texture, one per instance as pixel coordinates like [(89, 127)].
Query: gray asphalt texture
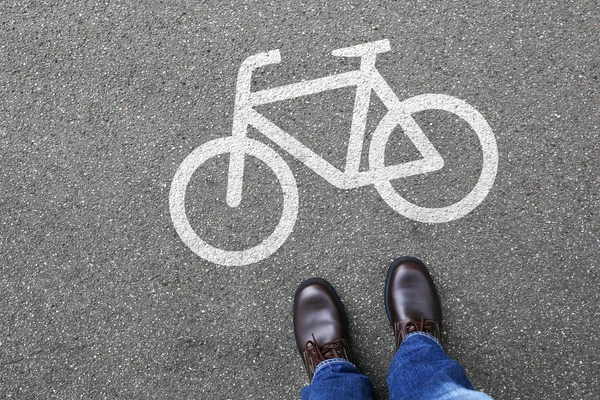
[(100, 101)]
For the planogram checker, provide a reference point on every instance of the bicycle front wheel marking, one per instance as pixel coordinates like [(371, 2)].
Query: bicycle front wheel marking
[(248, 147), (488, 171)]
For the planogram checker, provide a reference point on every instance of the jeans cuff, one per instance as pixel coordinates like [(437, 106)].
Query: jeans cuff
[(424, 334), (325, 363)]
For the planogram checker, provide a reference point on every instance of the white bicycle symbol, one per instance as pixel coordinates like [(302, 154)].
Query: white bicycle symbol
[(366, 79)]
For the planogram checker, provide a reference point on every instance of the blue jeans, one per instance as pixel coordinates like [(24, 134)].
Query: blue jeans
[(420, 370)]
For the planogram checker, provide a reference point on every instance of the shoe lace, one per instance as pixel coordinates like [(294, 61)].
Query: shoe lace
[(328, 350), (428, 326), (314, 353)]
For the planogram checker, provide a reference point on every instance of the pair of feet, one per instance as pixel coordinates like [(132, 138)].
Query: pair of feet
[(321, 326)]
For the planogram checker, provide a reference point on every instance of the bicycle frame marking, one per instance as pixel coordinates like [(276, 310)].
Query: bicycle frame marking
[(366, 79)]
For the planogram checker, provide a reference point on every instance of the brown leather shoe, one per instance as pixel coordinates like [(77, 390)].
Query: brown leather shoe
[(320, 324), (411, 300)]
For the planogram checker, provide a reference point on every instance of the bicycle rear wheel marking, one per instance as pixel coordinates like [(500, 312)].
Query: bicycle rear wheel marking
[(488, 170), (222, 146)]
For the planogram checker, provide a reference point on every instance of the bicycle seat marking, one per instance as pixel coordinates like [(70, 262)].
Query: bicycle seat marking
[(367, 80)]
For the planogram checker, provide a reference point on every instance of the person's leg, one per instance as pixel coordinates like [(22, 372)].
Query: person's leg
[(420, 368), (321, 332)]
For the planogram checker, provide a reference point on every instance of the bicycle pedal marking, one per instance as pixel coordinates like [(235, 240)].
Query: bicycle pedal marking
[(367, 80)]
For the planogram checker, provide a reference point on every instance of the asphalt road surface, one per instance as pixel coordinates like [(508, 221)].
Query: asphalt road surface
[(102, 101)]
